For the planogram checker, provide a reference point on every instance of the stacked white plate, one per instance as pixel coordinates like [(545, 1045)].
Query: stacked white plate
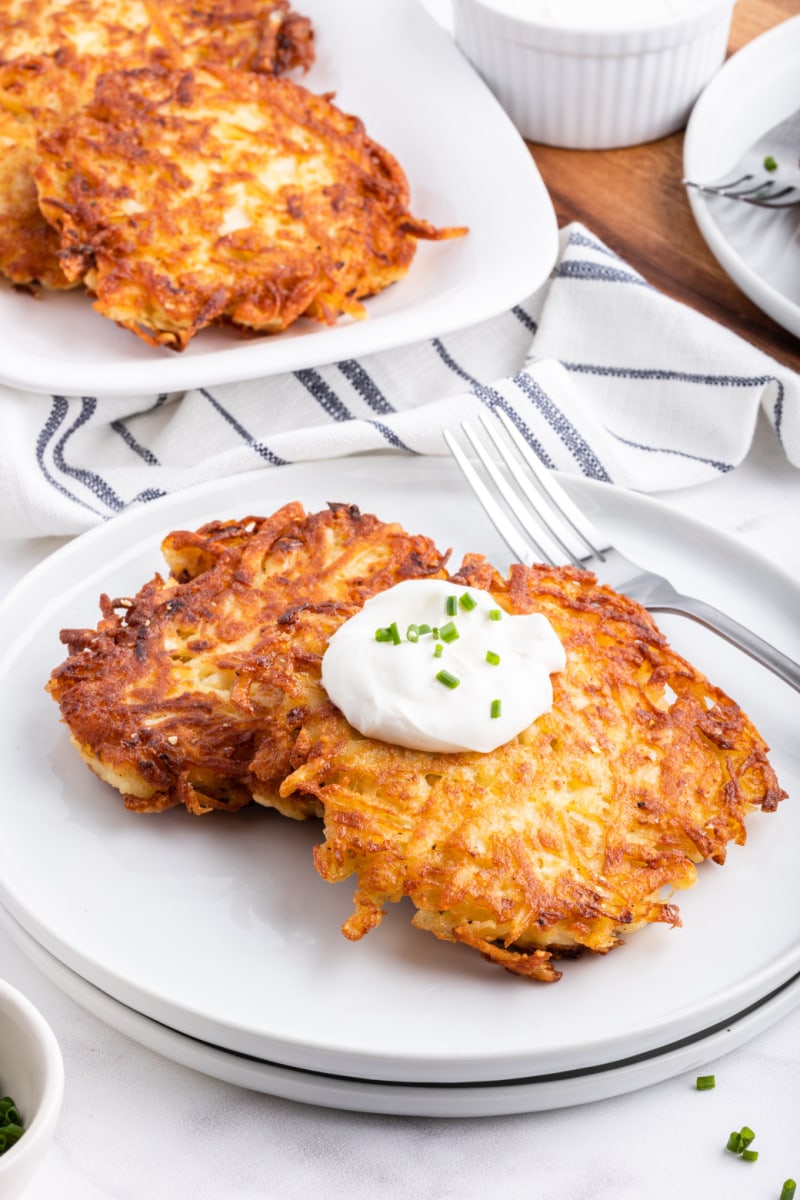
[(214, 941)]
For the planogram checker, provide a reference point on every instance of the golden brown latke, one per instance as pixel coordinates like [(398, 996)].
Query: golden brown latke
[(186, 198), (251, 35), (34, 93), (51, 52), (192, 691), (565, 837)]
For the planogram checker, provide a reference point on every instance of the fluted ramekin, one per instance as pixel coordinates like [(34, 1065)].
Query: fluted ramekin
[(626, 75)]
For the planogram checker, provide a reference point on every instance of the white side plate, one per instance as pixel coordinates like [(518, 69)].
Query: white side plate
[(758, 248)]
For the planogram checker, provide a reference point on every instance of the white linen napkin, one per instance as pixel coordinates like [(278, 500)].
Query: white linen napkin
[(608, 378)]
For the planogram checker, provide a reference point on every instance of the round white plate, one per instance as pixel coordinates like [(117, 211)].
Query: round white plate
[(392, 65), (758, 248), (219, 926), (410, 1100)]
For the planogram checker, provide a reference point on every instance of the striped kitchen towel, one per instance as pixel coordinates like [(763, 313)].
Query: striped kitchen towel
[(606, 376)]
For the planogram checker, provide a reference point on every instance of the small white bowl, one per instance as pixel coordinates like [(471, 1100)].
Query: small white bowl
[(32, 1074), (595, 74)]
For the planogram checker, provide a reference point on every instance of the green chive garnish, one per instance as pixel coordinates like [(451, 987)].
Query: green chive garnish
[(448, 632), (789, 1189), (451, 606), (747, 1135), (435, 631), (423, 629), (770, 163), (438, 651), (734, 1143), (492, 658), (496, 708), (383, 635), (11, 1127), (705, 1083), (450, 681), (412, 633), (495, 614), (749, 1155), (394, 633), (468, 602)]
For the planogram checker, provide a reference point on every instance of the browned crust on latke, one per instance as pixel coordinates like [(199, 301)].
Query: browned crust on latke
[(46, 75), (249, 35), (192, 691), (34, 94), (569, 835), (190, 198)]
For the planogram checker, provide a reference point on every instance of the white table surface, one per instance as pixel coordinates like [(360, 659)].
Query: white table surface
[(135, 1125)]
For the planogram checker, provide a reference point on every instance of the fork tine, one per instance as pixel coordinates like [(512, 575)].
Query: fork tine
[(537, 509), (568, 511), (760, 195), (550, 536), (539, 529), (520, 548)]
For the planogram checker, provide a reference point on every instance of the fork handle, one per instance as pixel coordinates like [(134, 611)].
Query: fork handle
[(738, 635)]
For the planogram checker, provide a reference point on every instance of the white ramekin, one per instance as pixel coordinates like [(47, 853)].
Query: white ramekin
[(619, 83), (32, 1073)]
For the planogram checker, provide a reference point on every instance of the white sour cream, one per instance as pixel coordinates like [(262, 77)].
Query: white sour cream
[(596, 14), (390, 691)]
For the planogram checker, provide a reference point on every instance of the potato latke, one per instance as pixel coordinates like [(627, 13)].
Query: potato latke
[(186, 198), (192, 691), (566, 837), (51, 52), (205, 690), (251, 35), (35, 91)]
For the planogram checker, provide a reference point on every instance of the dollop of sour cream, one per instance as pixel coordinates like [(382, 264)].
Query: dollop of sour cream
[(596, 14), (482, 687)]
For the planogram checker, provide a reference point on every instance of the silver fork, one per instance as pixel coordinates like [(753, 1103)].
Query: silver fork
[(752, 181), (558, 532)]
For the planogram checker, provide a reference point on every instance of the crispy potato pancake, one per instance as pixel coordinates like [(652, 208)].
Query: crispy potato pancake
[(51, 52), (251, 35), (186, 198), (205, 690), (568, 836), (192, 691), (34, 93)]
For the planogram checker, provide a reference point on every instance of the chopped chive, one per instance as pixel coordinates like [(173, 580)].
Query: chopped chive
[(747, 1136), (448, 632), (496, 708), (468, 602), (394, 633), (789, 1189), (492, 658), (495, 614), (11, 1127), (749, 1155), (423, 629), (435, 631), (412, 633), (438, 651), (450, 681), (451, 606), (734, 1143), (383, 635), (770, 163), (705, 1083)]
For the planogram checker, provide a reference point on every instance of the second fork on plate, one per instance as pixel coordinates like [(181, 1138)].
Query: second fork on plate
[(767, 174), (539, 522)]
